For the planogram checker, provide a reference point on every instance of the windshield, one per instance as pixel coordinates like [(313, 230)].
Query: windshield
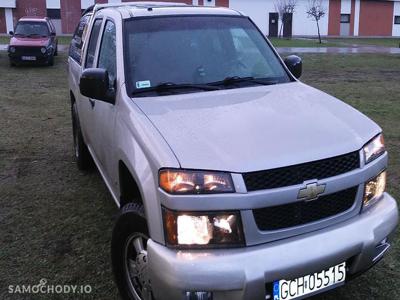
[(197, 50), (32, 29)]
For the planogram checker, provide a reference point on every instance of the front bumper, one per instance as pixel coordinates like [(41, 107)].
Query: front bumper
[(243, 273), (40, 57)]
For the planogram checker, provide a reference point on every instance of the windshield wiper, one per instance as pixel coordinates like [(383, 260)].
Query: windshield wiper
[(236, 79), (168, 86)]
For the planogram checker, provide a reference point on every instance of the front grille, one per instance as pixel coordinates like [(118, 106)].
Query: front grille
[(28, 51), (297, 174), (302, 212)]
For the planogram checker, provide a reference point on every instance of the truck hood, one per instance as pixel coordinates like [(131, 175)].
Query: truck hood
[(257, 128), (30, 42)]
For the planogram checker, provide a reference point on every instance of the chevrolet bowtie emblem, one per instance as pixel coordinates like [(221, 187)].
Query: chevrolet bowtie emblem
[(311, 191)]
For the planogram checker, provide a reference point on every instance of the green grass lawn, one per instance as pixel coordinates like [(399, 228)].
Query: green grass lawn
[(386, 42), (304, 43), (62, 40), (335, 42), (4, 39), (56, 222)]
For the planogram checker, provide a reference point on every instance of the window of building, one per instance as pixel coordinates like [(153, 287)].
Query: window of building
[(54, 13), (396, 19), (344, 18)]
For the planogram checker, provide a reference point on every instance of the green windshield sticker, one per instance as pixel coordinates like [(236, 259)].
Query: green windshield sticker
[(143, 84)]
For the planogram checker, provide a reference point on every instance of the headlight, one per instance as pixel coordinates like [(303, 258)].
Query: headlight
[(11, 49), (175, 181), (43, 50), (374, 189), (203, 229), (374, 148)]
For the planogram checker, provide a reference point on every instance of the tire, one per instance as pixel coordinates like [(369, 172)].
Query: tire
[(128, 252), (82, 155), (56, 50), (51, 60), (12, 64)]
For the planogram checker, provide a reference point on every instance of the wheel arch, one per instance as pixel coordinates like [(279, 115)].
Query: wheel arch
[(129, 190), (142, 187)]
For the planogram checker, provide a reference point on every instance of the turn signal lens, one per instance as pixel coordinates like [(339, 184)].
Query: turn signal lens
[(374, 148), (374, 189), (203, 229), (195, 182)]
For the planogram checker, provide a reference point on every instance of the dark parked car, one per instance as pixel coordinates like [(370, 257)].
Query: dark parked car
[(34, 40)]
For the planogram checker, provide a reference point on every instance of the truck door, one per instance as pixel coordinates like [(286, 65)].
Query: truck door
[(103, 113), (85, 104)]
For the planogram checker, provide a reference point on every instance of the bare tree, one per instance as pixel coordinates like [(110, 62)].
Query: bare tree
[(283, 8), (316, 10)]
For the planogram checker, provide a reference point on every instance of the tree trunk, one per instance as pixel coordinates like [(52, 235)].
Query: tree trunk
[(280, 30), (319, 35)]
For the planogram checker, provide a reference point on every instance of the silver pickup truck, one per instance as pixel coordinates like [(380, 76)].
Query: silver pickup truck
[(235, 180)]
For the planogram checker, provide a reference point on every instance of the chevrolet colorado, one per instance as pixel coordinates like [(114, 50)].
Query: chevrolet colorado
[(235, 180)]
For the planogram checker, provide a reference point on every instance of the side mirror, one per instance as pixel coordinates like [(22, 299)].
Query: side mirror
[(11, 32), (53, 34), (294, 64), (95, 83)]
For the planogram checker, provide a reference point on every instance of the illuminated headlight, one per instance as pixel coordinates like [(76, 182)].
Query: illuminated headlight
[(43, 50), (203, 229), (374, 189), (374, 148), (11, 49), (175, 181)]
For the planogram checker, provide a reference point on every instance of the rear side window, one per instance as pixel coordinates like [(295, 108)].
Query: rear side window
[(91, 50), (75, 49)]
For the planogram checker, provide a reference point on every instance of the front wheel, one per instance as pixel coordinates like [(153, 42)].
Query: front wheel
[(129, 254)]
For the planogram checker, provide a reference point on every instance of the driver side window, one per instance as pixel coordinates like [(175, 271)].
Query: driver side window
[(107, 54), (253, 61)]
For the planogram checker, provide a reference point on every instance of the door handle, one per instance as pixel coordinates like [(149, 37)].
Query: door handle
[(92, 102)]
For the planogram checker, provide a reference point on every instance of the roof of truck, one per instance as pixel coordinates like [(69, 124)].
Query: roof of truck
[(33, 19), (140, 9)]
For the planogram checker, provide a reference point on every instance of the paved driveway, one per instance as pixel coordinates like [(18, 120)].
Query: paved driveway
[(337, 50)]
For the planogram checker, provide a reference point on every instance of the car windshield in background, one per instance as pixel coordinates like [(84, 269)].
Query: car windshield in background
[(32, 29), (174, 54)]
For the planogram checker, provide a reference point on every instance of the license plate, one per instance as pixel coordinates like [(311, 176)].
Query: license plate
[(28, 57), (309, 284)]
